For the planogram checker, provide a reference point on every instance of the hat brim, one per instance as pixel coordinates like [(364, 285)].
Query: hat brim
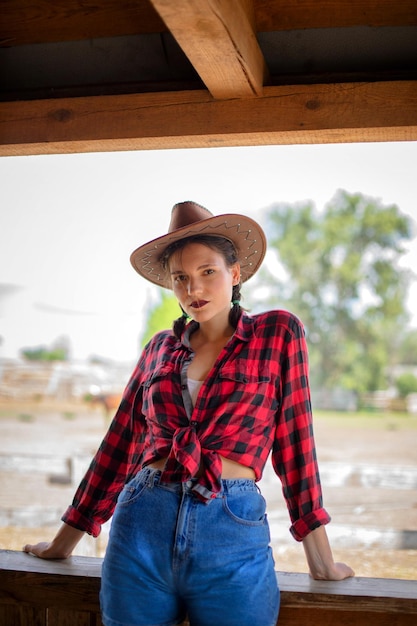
[(246, 235)]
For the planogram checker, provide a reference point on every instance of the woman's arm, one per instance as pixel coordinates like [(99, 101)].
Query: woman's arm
[(320, 558), (61, 547)]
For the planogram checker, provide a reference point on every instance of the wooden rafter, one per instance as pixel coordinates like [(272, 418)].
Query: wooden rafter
[(218, 38), (162, 103), (36, 21), (284, 15), (338, 113)]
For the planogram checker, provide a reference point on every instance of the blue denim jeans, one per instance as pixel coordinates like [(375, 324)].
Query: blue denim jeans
[(170, 555)]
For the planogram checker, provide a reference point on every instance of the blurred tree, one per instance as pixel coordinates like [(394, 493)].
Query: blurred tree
[(338, 271), (407, 353), (406, 384), (160, 316), (59, 351)]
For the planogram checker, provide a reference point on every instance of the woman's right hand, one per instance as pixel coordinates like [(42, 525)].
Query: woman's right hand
[(61, 547), (45, 550)]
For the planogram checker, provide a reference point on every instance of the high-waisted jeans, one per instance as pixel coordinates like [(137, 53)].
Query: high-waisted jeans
[(170, 555)]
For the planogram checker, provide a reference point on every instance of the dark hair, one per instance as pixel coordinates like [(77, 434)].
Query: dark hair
[(227, 249)]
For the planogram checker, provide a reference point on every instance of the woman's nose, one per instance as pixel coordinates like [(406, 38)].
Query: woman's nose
[(193, 286)]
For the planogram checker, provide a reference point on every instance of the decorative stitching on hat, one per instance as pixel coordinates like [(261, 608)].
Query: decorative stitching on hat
[(245, 234)]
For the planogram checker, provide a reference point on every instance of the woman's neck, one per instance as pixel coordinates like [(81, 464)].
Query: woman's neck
[(212, 333)]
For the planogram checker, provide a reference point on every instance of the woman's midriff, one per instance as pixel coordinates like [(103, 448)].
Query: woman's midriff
[(230, 469)]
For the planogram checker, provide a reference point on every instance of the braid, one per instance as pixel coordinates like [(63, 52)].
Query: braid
[(236, 310), (179, 325)]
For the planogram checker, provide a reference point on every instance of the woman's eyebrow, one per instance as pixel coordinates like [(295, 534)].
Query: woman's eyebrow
[(200, 267)]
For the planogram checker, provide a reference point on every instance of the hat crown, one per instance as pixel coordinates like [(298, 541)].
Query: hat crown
[(186, 213)]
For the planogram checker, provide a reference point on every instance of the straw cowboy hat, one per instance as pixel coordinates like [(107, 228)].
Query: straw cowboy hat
[(189, 219)]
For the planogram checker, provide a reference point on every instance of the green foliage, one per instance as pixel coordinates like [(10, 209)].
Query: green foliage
[(407, 351), (59, 351), (406, 384), (25, 417), (69, 415), (42, 353), (160, 316), (339, 273)]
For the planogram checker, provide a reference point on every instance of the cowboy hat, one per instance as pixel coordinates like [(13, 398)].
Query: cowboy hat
[(189, 219)]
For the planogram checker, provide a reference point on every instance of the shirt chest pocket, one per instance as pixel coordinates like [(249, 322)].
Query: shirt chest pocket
[(248, 383), (240, 373), (159, 387)]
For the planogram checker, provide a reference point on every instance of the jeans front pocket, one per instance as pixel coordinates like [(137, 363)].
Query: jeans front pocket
[(245, 507), (131, 491)]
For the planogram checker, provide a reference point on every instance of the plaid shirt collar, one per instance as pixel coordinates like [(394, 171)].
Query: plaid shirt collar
[(245, 330)]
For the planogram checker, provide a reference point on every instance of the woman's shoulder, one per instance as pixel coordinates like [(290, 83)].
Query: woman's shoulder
[(160, 339), (279, 319)]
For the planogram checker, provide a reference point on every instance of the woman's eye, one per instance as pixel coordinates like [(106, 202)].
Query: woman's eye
[(209, 271)]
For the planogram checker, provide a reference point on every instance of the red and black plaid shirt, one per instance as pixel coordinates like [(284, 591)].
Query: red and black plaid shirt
[(255, 400)]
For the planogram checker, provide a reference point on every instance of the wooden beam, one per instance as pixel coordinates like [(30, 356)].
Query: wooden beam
[(274, 15), (42, 21), (45, 21), (300, 114), (72, 587), (218, 39)]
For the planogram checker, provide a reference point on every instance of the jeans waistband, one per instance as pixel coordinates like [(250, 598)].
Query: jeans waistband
[(152, 478)]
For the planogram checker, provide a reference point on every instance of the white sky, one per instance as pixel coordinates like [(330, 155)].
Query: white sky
[(68, 224)]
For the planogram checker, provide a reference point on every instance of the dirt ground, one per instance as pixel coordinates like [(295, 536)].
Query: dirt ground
[(381, 513)]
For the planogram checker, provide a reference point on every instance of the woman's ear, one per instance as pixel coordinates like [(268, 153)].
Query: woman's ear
[(236, 274)]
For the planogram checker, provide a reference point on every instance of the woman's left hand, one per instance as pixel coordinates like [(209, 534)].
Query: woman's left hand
[(320, 559)]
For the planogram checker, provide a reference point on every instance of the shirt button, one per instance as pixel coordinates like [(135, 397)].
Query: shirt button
[(183, 386), (193, 423)]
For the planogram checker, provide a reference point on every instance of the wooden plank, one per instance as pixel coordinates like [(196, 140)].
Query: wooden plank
[(59, 617), (13, 615), (70, 596), (44, 21), (12, 560), (301, 114), (218, 39), (71, 584), (272, 15), (37, 21), (51, 591), (310, 616), (354, 596), (373, 588)]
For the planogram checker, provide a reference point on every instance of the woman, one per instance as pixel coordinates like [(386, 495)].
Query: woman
[(204, 408)]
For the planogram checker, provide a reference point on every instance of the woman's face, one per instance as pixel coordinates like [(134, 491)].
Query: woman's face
[(202, 282)]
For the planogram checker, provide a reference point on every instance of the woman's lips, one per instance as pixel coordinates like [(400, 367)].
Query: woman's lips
[(198, 304)]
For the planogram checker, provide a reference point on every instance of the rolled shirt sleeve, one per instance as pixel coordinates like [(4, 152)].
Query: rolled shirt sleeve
[(294, 453)]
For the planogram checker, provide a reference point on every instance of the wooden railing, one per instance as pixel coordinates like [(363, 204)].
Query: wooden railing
[(34, 592)]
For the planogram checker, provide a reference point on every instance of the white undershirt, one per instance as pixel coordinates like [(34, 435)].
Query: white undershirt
[(194, 387)]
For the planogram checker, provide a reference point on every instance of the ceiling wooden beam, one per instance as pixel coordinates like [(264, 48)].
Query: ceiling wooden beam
[(218, 38), (301, 114), (274, 15), (45, 21), (42, 21)]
